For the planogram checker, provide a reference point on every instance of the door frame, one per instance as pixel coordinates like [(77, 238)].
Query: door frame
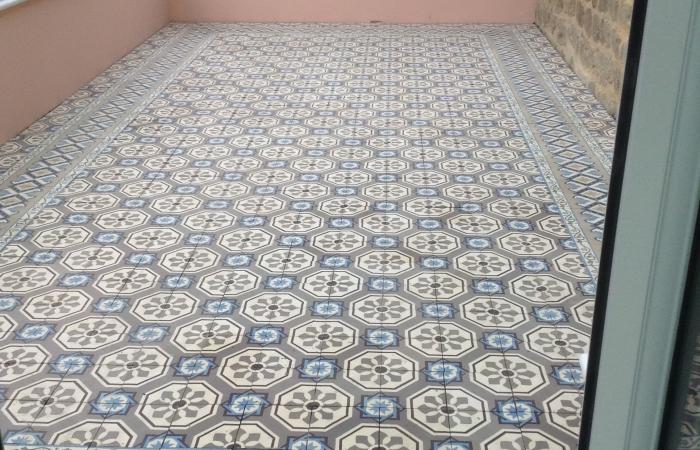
[(652, 210)]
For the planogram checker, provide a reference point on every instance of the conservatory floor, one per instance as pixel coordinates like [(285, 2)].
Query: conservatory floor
[(289, 236)]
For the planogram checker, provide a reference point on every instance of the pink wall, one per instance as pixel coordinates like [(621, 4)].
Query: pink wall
[(397, 11), (50, 48)]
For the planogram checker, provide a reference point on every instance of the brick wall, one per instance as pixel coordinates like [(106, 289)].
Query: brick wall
[(592, 37)]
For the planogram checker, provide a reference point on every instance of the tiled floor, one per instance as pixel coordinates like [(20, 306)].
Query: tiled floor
[(306, 237), (690, 425)]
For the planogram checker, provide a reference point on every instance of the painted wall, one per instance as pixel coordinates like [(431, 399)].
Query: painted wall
[(592, 36), (50, 48), (397, 11)]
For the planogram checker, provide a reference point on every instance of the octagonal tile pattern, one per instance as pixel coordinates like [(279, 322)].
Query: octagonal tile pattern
[(306, 236)]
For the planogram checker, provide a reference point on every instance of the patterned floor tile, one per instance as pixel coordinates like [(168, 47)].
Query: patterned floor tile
[(306, 236)]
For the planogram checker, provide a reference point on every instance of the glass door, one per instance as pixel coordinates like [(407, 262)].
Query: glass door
[(681, 427), (649, 240)]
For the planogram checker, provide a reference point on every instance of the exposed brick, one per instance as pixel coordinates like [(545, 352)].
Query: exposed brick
[(592, 36)]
